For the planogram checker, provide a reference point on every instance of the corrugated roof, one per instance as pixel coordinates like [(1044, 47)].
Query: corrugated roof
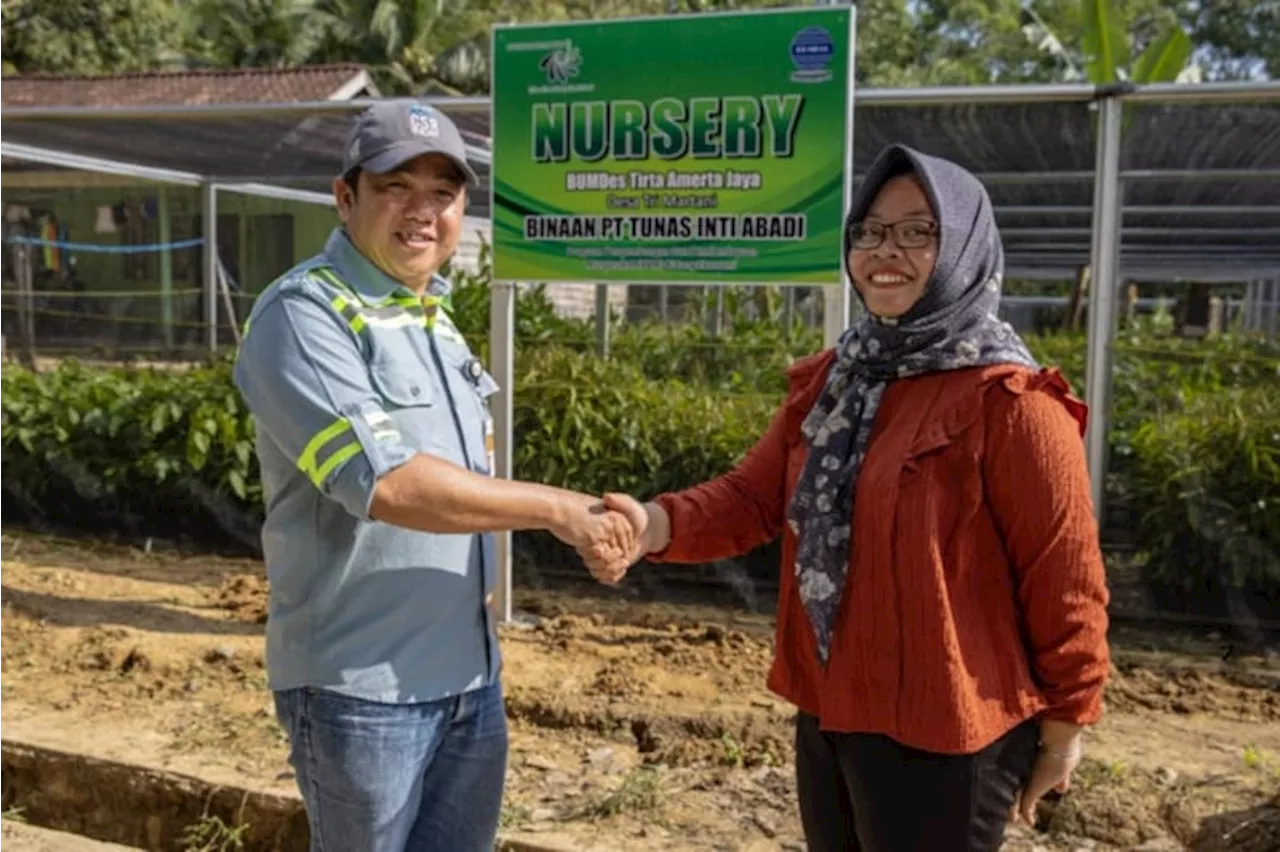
[(188, 87)]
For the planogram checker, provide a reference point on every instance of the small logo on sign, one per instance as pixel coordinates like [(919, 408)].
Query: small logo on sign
[(811, 52), (423, 122), (561, 65)]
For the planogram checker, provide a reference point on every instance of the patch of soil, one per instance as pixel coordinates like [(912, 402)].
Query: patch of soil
[(1171, 690), (633, 727), (1127, 807), (245, 597), (1256, 829)]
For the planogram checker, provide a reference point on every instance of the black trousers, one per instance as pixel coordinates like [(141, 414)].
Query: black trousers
[(868, 793)]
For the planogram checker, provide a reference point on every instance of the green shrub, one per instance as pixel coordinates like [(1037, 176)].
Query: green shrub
[(596, 426), (1196, 427), (170, 452), (160, 452), (1207, 481)]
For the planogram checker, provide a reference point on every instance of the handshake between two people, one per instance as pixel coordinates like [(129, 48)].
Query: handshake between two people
[(612, 533)]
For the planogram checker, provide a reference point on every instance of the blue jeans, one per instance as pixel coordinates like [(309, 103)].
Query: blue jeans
[(398, 777)]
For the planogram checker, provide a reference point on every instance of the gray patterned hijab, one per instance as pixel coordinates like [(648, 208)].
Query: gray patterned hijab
[(954, 325)]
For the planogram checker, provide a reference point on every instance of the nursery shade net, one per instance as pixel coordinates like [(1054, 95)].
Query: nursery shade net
[(1036, 158), (289, 149), (1182, 165)]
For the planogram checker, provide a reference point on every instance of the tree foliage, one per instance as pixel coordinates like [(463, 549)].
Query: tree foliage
[(80, 37), (262, 33), (417, 45)]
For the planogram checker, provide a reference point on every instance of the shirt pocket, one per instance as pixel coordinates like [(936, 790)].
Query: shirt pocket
[(402, 383)]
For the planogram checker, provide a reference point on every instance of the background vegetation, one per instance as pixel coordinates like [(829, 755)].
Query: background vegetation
[(1194, 479), (442, 45)]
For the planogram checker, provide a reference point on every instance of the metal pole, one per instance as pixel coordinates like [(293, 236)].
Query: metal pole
[(223, 111), (166, 269), (1142, 210), (209, 217), (1084, 176), (602, 320), (35, 154), (1272, 308), (22, 272), (836, 300), (1229, 91), (1104, 256), (994, 94), (1249, 91), (104, 165), (502, 344)]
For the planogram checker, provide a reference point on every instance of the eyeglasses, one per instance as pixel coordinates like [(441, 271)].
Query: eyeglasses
[(907, 234)]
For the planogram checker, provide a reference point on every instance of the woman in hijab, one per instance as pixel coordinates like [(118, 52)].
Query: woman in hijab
[(941, 621)]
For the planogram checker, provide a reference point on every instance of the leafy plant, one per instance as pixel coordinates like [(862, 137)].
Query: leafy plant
[(1195, 432), (1105, 51), (1207, 478)]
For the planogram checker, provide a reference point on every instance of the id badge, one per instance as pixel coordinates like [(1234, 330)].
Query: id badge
[(489, 443)]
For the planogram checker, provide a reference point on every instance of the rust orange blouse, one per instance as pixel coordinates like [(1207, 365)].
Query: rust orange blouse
[(976, 595)]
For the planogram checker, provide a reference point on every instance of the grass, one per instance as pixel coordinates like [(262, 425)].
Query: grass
[(642, 789), (211, 834), (512, 816)]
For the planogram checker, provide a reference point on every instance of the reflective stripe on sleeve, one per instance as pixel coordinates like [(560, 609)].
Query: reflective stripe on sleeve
[(330, 447)]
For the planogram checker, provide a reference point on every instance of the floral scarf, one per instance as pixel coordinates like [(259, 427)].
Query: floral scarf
[(953, 326)]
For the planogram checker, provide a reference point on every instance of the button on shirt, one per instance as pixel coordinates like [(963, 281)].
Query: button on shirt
[(348, 375)]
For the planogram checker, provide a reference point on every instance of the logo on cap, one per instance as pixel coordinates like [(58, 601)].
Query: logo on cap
[(423, 122)]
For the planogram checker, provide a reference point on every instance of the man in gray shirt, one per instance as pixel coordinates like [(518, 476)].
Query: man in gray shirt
[(375, 445)]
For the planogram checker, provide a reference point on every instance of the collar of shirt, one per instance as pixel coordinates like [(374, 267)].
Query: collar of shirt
[(371, 284)]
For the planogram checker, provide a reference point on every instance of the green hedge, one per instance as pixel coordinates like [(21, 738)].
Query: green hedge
[(135, 451), (1207, 479), (594, 425), (169, 452)]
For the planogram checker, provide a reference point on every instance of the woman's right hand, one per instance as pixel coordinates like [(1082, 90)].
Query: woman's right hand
[(652, 530), (1061, 747)]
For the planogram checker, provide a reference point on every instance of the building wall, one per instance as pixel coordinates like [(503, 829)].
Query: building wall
[(258, 237), (570, 300)]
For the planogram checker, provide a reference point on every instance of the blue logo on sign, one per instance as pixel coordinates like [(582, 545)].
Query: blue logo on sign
[(811, 53)]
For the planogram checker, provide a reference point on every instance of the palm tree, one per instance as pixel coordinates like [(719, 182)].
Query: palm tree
[(397, 40), (239, 33)]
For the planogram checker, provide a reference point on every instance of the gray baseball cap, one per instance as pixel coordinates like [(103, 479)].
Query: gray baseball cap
[(391, 133)]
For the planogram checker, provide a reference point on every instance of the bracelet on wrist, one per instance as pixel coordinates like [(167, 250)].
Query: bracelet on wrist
[(1059, 754)]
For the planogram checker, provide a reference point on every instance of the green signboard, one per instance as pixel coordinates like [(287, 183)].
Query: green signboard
[(687, 149)]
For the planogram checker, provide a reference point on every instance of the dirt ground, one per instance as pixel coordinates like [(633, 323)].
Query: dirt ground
[(634, 726), (19, 837)]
